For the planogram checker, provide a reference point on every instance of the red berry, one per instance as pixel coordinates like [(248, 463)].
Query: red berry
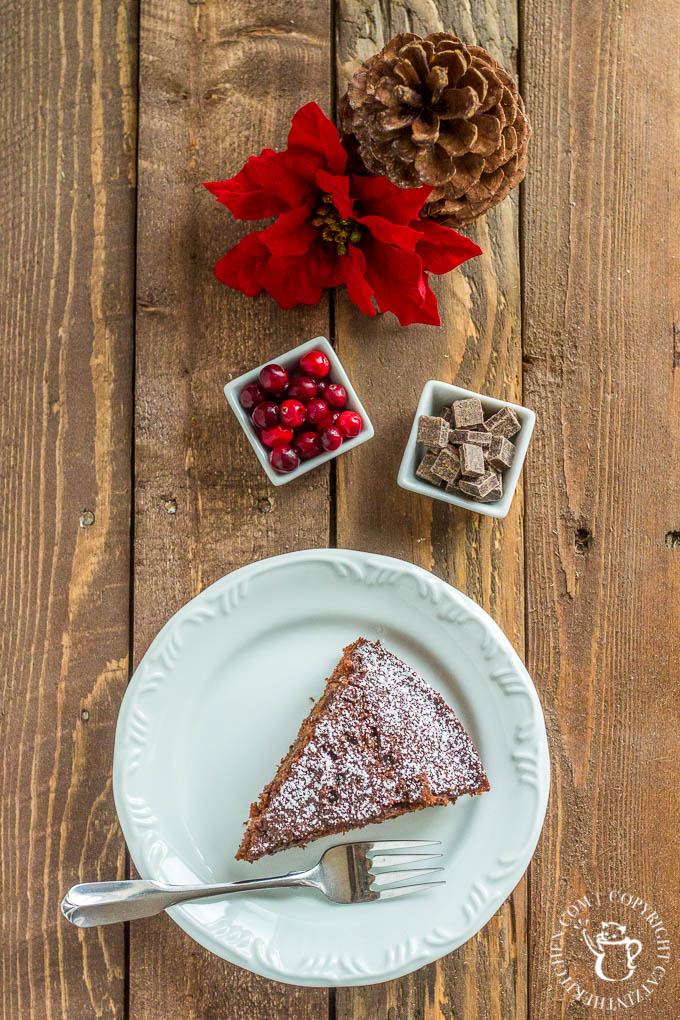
[(266, 414), (273, 378), (318, 412), (303, 388), (307, 445), (284, 459), (336, 395), (276, 436), (350, 424), (321, 387), (314, 363), (250, 396), (330, 438), (292, 413)]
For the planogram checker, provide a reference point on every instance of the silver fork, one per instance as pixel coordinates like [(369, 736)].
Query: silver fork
[(347, 873)]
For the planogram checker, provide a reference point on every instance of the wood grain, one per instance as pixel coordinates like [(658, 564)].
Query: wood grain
[(67, 157), (479, 346), (601, 289), (219, 82)]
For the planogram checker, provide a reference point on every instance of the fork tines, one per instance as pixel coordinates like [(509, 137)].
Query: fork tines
[(395, 860), (400, 844), (386, 884), (405, 890)]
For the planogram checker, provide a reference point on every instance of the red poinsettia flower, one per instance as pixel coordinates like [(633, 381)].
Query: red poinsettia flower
[(333, 227)]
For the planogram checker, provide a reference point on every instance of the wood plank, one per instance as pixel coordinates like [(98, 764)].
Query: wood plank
[(602, 295), (219, 82), (479, 346), (67, 154)]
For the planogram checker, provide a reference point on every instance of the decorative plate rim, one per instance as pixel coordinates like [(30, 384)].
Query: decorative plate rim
[(244, 948)]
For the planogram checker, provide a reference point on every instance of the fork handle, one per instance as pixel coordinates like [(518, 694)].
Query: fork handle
[(93, 903)]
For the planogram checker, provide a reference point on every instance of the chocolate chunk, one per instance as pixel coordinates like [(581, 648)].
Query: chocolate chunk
[(452, 487), (501, 453), (446, 414), (424, 469), (469, 487), (491, 487), (447, 465), (433, 432), (467, 413), (492, 495), (460, 436), (471, 461), (485, 490), (503, 423)]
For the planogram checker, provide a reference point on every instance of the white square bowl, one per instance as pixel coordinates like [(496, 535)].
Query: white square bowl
[(289, 361), (434, 398)]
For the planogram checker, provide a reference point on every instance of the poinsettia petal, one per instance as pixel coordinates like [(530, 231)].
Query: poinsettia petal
[(382, 198), (390, 268), (416, 308), (428, 311), (358, 288), (264, 187), (292, 233), (243, 265), (400, 285), (441, 248), (390, 233), (299, 279), (313, 140), (335, 271), (338, 188)]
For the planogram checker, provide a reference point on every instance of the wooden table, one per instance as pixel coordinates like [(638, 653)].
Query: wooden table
[(127, 487)]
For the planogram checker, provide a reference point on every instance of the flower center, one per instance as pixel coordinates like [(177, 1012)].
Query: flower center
[(333, 229)]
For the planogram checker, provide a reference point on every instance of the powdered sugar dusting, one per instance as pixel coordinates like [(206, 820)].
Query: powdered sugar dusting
[(385, 741)]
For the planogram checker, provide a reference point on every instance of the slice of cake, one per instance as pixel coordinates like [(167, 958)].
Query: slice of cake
[(378, 743)]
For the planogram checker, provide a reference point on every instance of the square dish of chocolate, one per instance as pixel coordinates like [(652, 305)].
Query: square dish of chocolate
[(500, 434)]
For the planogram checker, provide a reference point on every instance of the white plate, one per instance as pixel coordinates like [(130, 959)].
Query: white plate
[(218, 698)]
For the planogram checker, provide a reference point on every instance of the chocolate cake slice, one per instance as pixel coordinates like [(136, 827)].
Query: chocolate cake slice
[(378, 743)]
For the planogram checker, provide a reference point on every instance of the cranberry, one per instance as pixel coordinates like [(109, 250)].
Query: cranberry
[(303, 388), (276, 436), (318, 412), (266, 414), (273, 378), (350, 424), (250, 396), (321, 387), (307, 445), (292, 413), (336, 395), (284, 459), (314, 363), (330, 438)]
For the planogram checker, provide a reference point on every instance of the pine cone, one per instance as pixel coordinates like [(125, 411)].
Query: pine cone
[(434, 111)]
